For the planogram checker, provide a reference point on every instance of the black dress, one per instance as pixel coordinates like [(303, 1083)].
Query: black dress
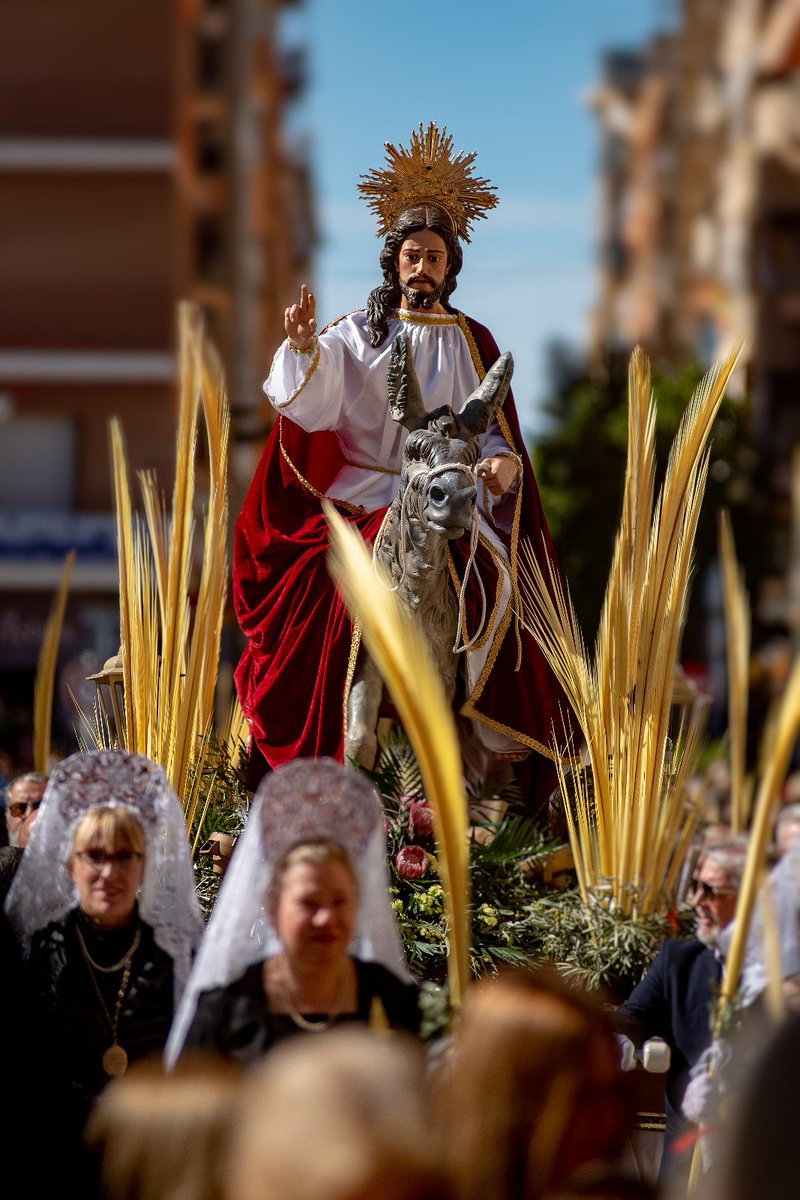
[(67, 1019), (235, 1021)]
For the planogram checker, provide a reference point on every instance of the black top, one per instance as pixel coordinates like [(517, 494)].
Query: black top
[(235, 1021), (69, 1028)]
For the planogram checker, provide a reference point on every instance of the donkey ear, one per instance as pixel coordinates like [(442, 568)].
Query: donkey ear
[(405, 399), (486, 401)]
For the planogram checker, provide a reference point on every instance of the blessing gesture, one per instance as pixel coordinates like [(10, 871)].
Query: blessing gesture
[(299, 321)]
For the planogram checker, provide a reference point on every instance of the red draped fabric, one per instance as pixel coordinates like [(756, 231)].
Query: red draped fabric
[(290, 678), (292, 674), (528, 701)]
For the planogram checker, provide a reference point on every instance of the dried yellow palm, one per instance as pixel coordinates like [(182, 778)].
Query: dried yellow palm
[(772, 775), (737, 628), (196, 716), (127, 572), (401, 653), (171, 655), (630, 819), (234, 732), (774, 997), (44, 682), (176, 725), (92, 732)]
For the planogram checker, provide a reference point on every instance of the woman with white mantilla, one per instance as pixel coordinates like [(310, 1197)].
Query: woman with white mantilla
[(302, 936), (104, 907)]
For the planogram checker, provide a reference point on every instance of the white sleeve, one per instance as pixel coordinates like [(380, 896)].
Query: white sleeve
[(309, 387)]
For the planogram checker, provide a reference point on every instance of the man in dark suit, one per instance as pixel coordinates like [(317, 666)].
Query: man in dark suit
[(674, 999)]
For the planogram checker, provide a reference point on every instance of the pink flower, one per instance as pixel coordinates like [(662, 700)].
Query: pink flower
[(421, 816), (411, 862)]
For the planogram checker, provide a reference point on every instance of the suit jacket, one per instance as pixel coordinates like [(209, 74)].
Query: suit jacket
[(673, 1002)]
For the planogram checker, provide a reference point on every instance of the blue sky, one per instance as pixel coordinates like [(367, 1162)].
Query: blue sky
[(507, 80)]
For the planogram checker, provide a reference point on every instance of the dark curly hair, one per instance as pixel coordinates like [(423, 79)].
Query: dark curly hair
[(387, 295)]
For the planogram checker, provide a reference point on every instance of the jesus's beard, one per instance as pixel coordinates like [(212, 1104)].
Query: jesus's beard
[(420, 299)]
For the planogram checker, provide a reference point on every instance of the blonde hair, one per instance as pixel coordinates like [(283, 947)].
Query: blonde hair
[(158, 1135), (308, 852), (531, 1088), (335, 1117), (109, 829)]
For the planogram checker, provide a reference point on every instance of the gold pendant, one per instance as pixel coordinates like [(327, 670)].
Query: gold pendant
[(115, 1061)]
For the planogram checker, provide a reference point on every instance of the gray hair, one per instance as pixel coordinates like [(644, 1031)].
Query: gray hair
[(730, 855), (26, 777)]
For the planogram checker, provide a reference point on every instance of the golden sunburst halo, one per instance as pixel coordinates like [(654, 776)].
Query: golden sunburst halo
[(428, 172)]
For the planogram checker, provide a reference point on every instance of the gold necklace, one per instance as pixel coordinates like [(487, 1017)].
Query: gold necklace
[(115, 1058), (117, 966)]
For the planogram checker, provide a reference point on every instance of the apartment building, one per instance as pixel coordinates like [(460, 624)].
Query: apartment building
[(699, 217), (144, 159)]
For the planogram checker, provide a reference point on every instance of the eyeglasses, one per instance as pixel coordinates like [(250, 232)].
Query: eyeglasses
[(97, 859), (19, 807), (707, 891)]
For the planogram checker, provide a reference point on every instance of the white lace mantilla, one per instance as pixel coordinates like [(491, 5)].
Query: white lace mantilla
[(43, 890), (307, 800)]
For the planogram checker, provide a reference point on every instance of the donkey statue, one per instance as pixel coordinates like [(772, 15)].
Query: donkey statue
[(435, 503)]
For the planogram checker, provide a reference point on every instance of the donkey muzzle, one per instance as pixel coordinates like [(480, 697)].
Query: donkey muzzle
[(450, 503)]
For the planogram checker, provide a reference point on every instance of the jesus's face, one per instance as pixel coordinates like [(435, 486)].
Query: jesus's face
[(422, 267)]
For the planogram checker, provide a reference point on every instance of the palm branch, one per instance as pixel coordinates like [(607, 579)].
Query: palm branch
[(627, 809), (44, 682)]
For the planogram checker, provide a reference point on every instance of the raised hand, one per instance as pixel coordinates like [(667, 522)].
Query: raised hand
[(299, 320)]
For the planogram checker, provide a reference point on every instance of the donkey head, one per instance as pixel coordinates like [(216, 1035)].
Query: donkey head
[(438, 476)]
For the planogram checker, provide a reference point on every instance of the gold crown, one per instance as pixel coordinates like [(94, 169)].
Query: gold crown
[(428, 173)]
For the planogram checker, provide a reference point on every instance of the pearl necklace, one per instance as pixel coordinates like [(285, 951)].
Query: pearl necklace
[(297, 1018)]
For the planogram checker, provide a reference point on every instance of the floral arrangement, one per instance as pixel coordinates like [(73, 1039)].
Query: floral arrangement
[(516, 916), (500, 892)]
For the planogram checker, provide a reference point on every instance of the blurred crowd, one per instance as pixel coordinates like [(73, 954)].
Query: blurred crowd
[(275, 1052)]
